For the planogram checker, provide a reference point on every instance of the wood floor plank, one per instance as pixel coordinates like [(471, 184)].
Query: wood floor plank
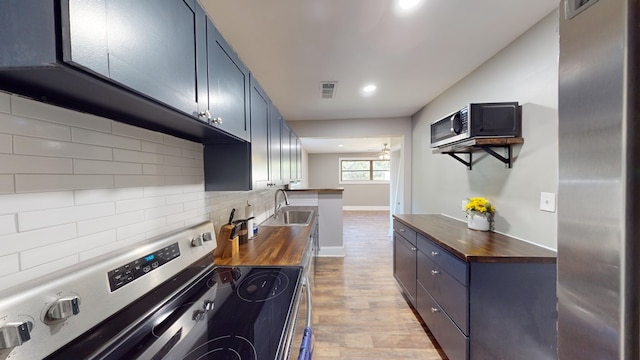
[(359, 312)]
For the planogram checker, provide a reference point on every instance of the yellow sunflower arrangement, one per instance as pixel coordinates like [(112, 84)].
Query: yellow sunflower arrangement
[(479, 206)]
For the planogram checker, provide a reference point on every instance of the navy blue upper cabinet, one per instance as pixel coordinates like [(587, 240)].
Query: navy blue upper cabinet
[(141, 62), (275, 145), (228, 81), (259, 136)]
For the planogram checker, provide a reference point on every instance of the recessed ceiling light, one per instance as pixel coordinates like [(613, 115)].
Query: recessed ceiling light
[(340, 145), (408, 4), (369, 88)]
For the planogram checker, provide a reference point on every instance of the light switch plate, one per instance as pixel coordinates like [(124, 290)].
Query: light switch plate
[(548, 202)]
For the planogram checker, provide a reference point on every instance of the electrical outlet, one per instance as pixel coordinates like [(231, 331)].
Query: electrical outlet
[(464, 204), (548, 202)]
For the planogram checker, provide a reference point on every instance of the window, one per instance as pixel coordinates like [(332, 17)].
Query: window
[(358, 171)]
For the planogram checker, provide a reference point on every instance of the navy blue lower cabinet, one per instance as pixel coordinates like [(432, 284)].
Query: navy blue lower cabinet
[(482, 295)]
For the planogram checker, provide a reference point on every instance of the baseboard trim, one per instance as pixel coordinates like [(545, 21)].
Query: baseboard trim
[(331, 251), (365, 208)]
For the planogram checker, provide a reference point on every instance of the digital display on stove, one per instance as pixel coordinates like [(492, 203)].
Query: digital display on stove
[(126, 273)]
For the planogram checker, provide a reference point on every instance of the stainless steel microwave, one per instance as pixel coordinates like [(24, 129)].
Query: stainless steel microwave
[(485, 120)]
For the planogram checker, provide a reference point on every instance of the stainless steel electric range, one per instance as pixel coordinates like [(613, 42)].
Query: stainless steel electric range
[(163, 299)]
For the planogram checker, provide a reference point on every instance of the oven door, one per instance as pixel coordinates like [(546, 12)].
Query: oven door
[(302, 343), (449, 129)]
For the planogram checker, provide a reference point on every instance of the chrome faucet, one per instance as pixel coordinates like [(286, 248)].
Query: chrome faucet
[(276, 205)]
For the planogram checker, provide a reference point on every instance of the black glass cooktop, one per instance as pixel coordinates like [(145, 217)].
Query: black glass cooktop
[(237, 313)]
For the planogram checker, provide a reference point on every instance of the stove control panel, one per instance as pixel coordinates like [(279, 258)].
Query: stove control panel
[(127, 273)]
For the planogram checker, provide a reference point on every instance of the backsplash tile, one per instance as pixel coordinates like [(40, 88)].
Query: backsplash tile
[(103, 139), (6, 184), (9, 264), (33, 183), (15, 125), (36, 110), (8, 224), (65, 199), (44, 147), (6, 144)]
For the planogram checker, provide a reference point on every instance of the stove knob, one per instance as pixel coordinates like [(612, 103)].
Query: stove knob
[(14, 334), (197, 241), (64, 308), (208, 305), (207, 236), (198, 315)]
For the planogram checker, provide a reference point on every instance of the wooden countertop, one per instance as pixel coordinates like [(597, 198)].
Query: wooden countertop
[(472, 245), (274, 245)]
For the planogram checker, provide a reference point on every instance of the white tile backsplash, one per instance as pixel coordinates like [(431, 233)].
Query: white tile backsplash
[(6, 184), (27, 240), (8, 224), (33, 183), (21, 164), (6, 144), (106, 167), (162, 149), (10, 124), (9, 264), (65, 199), (91, 226), (15, 203), (44, 147), (83, 197), (45, 218), (42, 255), (102, 139), (137, 157), (37, 110)]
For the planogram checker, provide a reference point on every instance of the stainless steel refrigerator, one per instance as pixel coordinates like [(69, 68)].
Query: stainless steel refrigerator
[(598, 224)]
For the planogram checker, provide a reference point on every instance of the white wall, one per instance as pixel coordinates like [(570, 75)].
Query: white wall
[(351, 128), (525, 71), (75, 186), (324, 172)]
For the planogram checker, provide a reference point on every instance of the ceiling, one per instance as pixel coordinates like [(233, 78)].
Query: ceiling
[(291, 46)]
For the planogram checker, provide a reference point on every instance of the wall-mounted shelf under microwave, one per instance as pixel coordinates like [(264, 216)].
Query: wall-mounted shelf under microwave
[(481, 144)]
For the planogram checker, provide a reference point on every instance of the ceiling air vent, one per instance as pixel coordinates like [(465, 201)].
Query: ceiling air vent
[(328, 89)]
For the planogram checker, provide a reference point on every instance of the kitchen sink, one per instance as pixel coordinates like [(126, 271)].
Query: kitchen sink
[(290, 218)]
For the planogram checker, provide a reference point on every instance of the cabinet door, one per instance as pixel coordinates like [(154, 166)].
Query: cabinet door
[(228, 83), (259, 114), (298, 159), (286, 153), (404, 265), (155, 48), (275, 146)]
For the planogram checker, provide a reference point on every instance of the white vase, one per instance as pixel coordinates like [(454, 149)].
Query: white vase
[(478, 222)]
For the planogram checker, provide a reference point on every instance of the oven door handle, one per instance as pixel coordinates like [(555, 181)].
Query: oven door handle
[(308, 290)]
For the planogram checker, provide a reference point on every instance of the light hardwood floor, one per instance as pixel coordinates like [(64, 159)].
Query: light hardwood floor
[(359, 312)]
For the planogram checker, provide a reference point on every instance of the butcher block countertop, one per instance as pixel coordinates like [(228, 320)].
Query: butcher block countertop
[(472, 245), (274, 245)]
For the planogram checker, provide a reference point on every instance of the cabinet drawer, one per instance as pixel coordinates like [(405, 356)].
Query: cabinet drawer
[(445, 289), (454, 343), (405, 231), (451, 264)]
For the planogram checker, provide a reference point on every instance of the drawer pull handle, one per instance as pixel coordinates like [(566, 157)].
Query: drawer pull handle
[(434, 310), (435, 272), (434, 253), (414, 249), (401, 230)]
